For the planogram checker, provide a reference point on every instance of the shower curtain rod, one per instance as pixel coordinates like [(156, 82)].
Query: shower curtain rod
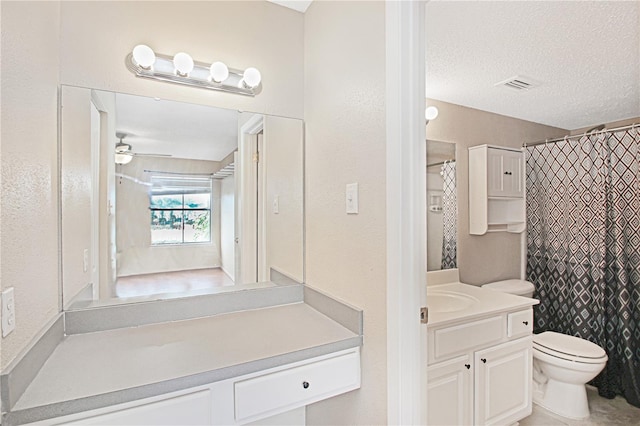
[(630, 126), (440, 163)]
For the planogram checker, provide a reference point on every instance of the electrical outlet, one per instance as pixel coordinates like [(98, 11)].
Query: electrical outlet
[(8, 312)]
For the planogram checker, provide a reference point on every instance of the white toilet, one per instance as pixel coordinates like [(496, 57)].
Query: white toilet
[(562, 364)]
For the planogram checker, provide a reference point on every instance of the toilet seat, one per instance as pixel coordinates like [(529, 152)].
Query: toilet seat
[(569, 348)]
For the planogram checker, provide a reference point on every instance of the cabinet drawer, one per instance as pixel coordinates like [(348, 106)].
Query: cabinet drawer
[(520, 323), (295, 387), (461, 338)]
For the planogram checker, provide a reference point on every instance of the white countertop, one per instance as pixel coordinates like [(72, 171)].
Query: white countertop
[(93, 364), (487, 302)]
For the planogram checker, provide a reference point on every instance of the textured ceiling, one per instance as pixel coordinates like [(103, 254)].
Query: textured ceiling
[(176, 128), (585, 55)]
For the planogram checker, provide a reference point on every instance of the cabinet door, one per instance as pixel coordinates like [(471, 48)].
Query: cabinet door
[(503, 383), (505, 173), (450, 393), (494, 172), (190, 409), (512, 174)]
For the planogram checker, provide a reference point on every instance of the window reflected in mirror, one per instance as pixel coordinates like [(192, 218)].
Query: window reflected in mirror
[(442, 207)]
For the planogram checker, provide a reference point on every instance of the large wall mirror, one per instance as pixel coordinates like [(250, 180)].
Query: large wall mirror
[(442, 206), (164, 199)]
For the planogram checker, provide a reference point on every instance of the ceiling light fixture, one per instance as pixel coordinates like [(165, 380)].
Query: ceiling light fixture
[(182, 69), (123, 157)]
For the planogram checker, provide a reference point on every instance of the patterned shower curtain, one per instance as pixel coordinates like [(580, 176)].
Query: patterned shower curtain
[(449, 216), (583, 237)]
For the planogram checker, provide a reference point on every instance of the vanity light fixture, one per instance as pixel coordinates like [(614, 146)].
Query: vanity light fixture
[(182, 69)]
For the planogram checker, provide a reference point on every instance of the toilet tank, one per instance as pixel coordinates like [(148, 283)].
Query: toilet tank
[(517, 287)]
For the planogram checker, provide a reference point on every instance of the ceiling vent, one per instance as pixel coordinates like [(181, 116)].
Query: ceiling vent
[(519, 82)]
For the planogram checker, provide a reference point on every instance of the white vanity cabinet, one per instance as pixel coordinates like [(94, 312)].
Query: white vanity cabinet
[(484, 379), (272, 396), (496, 189)]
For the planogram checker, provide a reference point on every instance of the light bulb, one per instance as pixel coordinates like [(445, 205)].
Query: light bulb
[(431, 113), (251, 77), (183, 63), (123, 158), (219, 72), (143, 56)]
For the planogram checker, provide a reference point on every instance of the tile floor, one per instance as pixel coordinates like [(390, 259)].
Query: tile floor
[(604, 412)]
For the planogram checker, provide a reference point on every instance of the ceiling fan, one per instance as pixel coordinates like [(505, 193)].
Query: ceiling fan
[(124, 151)]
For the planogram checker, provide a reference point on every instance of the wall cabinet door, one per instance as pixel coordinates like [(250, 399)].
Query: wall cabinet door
[(512, 174), (450, 392), (504, 173), (503, 383)]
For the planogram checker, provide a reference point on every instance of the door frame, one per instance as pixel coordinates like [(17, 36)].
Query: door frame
[(406, 211), (246, 211)]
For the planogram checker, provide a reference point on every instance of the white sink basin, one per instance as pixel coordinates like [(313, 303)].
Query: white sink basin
[(449, 301)]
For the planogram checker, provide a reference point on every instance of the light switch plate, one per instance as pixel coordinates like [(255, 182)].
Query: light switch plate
[(8, 312), (276, 204), (352, 198)]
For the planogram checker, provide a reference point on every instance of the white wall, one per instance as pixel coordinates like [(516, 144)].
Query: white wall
[(227, 225), (135, 253), (29, 220), (345, 117), (283, 162)]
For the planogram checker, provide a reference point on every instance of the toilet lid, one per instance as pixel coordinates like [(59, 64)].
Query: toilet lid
[(519, 287), (568, 347)]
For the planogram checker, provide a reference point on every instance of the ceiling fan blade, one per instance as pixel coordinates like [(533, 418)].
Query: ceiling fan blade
[(136, 154)]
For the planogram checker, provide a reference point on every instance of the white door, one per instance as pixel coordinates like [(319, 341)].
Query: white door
[(503, 383), (449, 392)]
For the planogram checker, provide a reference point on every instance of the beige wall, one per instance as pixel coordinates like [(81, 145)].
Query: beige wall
[(84, 44), (495, 255), (96, 37), (613, 125), (346, 143), (75, 189), (29, 221), (282, 159)]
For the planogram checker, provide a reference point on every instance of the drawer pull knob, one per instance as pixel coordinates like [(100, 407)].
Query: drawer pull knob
[(484, 360), (525, 322), (305, 385), (468, 366)]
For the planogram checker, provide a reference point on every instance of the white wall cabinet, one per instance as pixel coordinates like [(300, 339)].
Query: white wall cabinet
[(496, 189), (490, 383), (274, 396)]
